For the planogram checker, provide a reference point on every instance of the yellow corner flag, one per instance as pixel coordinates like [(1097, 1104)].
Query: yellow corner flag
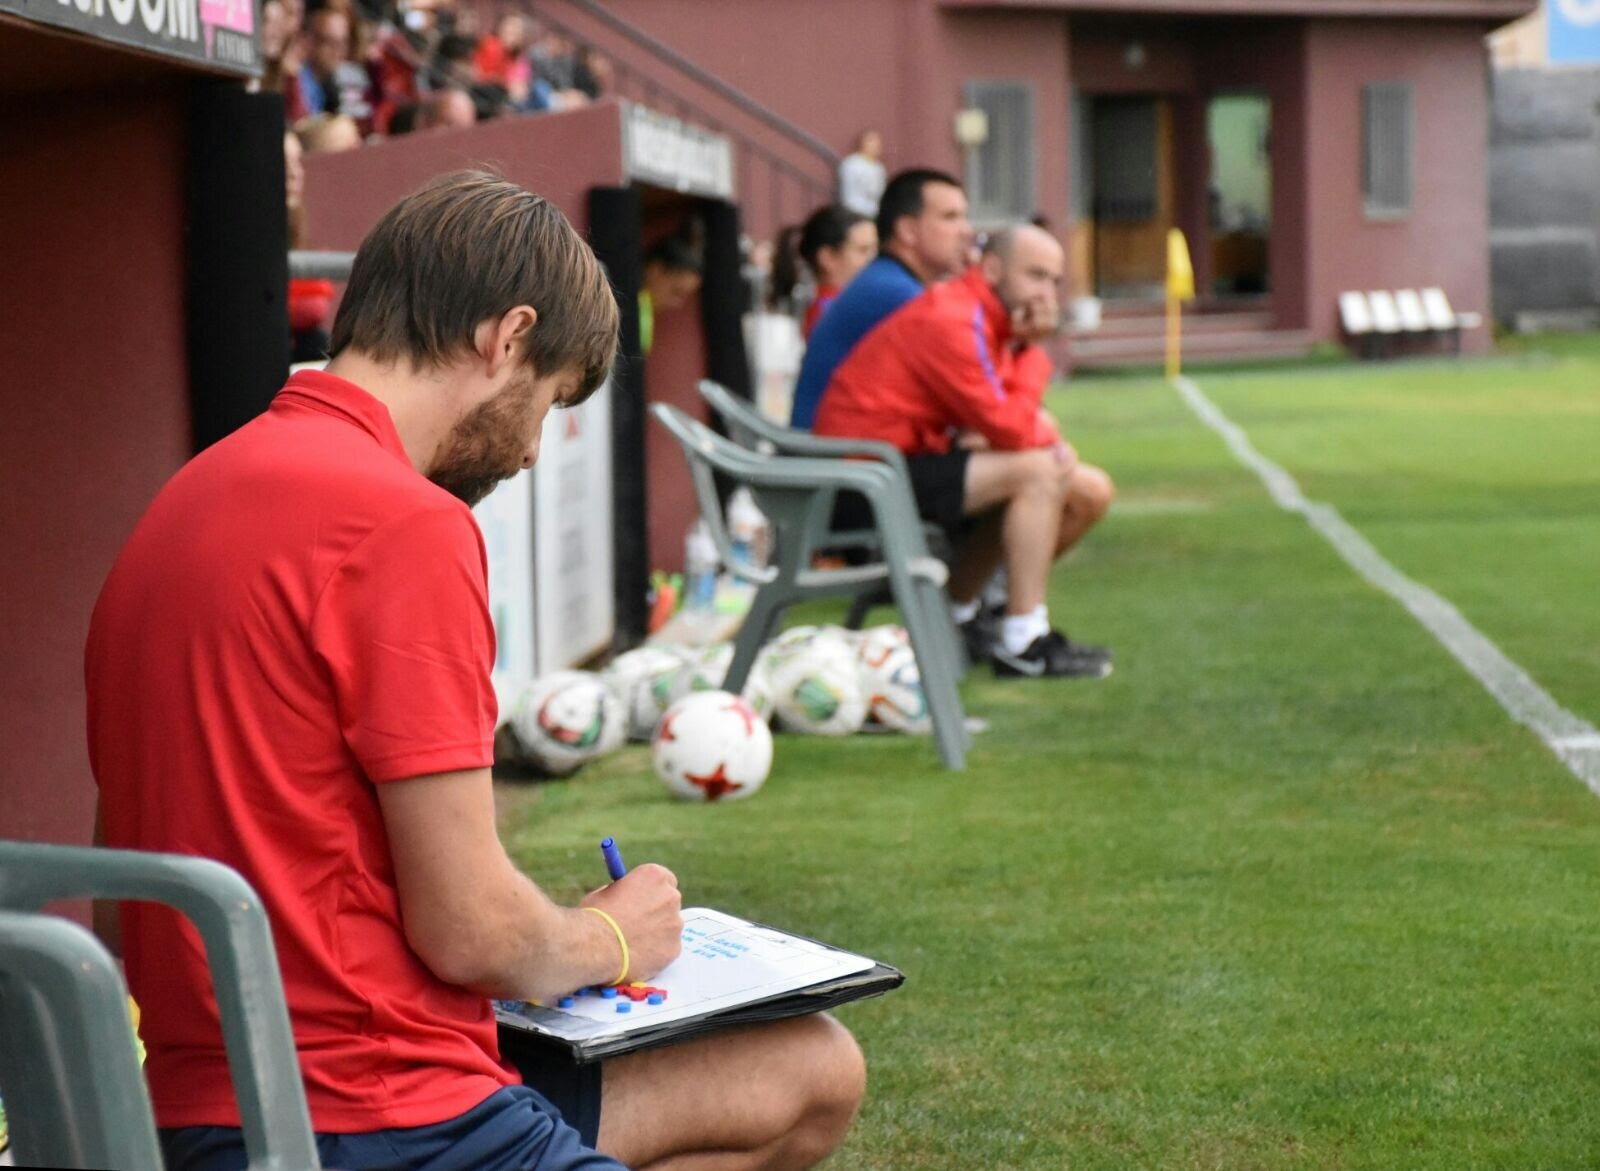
[(1180, 272), (1180, 288)]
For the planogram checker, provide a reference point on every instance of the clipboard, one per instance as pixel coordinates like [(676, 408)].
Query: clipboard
[(731, 972)]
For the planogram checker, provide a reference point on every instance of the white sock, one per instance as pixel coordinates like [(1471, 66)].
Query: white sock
[(1018, 631), (964, 611)]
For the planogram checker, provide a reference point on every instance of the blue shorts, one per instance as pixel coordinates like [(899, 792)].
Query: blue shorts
[(514, 1129)]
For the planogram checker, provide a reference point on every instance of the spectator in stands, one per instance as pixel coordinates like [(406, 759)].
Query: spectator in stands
[(310, 298), (592, 73), (328, 133), (555, 60), (329, 81), (963, 360), (923, 235), (450, 106), (501, 59), (278, 37), (400, 52), (306, 697), (862, 175), (834, 244), (672, 276)]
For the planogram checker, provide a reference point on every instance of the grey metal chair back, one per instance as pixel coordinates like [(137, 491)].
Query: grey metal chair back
[(797, 494), (749, 428), (244, 973), (69, 1071)]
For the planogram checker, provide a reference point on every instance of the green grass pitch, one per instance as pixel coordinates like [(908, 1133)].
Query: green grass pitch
[(1286, 890)]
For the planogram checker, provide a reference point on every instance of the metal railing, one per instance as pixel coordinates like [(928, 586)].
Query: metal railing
[(813, 184), (331, 266)]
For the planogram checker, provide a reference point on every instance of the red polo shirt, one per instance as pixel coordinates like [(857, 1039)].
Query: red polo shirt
[(940, 364), (299, 617)]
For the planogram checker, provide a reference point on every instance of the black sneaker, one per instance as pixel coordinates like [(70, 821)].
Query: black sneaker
[(980, 634), (1052, 654)]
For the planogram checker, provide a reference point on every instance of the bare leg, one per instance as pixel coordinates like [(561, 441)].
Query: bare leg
[(1089, 494), (775, 1096), (1031, 486), (977, 555)]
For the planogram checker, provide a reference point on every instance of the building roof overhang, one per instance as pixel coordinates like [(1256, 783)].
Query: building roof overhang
[(1495, 11)]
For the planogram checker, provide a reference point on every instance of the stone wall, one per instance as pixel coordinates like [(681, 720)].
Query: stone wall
[(1544, 192)]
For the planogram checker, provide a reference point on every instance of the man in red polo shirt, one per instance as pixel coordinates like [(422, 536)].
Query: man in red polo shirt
[(955, 379), (288, 671)]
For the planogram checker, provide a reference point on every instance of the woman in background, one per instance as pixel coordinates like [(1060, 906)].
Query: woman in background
[(835, 244)]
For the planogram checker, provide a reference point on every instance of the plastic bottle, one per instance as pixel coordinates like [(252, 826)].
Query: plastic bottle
[(700, 566), (749, 532)]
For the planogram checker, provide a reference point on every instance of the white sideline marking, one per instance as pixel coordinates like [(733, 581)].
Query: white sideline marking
[(1575, 741)]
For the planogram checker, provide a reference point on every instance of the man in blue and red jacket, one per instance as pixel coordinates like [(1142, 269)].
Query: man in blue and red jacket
[(923, 237), (956, 380)]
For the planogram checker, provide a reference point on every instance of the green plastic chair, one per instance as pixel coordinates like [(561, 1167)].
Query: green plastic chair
[(84, 1121), (749, 428), (797, 494)]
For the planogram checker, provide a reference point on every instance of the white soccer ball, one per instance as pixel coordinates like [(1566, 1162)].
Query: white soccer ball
[(702, 670), (817, 689), (640, 679), (893, 687), (711, 746), (758, 684), (565, 719), (877, 643), (796, 637)]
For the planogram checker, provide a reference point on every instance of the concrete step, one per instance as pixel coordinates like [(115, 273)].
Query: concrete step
[(1090, 352)]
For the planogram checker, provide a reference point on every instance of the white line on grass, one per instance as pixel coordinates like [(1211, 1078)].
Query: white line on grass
[(1575, 741)]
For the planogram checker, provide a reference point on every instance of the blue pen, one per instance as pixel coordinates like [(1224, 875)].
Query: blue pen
[(614, 866)]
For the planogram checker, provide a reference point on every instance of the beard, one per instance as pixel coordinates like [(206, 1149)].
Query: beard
[(487, 445)]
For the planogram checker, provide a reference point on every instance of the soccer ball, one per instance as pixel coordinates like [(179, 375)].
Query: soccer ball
[(893, 687), (877, 643), (758, 684), (711, 746), (797, 638), (640, 680), (566, 719), (702, 670), (817, 688)]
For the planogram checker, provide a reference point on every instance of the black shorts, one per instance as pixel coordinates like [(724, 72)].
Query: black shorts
[(939, 484), (571, 1088)]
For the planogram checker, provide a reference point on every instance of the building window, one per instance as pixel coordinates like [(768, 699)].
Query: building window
[(1386, 137), (1000, 171)]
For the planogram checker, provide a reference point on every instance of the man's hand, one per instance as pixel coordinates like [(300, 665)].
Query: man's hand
[(647, 906), (477, 922)]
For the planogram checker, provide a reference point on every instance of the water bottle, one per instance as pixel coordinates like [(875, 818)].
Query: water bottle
[(748, 530), (700, 566)]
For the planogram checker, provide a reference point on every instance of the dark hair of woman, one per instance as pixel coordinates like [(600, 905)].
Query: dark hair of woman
[(827, 227)]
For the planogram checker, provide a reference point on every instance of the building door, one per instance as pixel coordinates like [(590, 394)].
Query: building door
[(1131, 200), (1237, 128)]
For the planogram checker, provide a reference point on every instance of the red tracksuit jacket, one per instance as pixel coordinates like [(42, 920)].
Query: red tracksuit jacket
[(940, 364)]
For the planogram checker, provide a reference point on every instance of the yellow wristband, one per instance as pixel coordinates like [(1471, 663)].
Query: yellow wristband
[(622, 941)]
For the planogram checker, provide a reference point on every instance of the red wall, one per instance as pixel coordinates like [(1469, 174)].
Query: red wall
[(836, 67), (96, 406), (833, 66), (559, 156), (1445, 241)]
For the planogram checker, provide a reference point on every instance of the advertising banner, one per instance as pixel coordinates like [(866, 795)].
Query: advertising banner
[(219, 35)]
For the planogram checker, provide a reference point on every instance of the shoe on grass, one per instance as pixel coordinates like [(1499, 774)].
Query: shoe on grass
[(980, 634), (1051, 655)]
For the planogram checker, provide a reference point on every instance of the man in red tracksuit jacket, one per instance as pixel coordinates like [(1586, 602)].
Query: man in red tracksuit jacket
[(955, 380)]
